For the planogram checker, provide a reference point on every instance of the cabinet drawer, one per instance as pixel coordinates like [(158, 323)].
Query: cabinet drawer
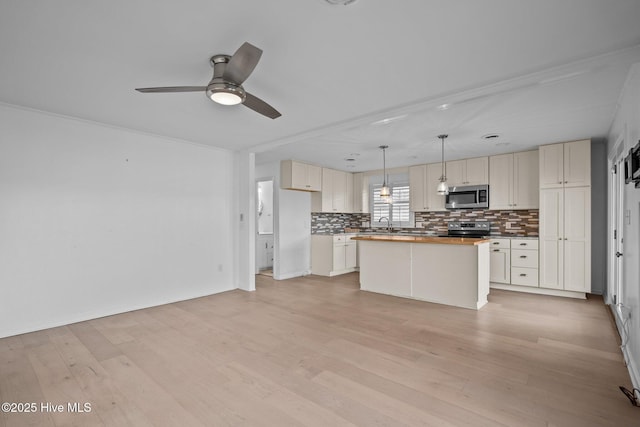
[(500, 243), (338, 239), (524, 276), (524, 258), (524, 243)]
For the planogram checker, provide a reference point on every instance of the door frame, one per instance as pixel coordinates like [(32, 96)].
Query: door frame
[(615, 239)]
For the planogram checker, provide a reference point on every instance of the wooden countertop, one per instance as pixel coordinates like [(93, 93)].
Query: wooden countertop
[(424, 239)]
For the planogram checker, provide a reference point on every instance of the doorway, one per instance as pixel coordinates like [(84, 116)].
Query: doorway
[(264, 227), (616, 240)]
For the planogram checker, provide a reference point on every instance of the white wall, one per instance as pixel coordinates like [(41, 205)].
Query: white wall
[(292, 227), (627, 125), (96, 220)]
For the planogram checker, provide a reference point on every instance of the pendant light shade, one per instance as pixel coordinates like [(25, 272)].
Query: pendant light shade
[(443, 188), (385, 191)]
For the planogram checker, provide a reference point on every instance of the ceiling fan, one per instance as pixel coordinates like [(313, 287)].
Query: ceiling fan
[(229, 72)]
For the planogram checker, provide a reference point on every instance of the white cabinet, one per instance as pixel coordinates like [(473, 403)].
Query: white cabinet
[(565, 216), (360, 193), (565, 239), (514, 261), (468, 171), (513, 181), (300, 176), (500, 261), (337, 192), (565, 165), (423, 181), (332, 255), (524, 262)]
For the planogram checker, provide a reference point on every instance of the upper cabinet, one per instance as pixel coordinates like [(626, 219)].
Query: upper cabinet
[(513, 181), (300, 176), (468, 171), (360, 193), (565, 165), (423, 181), (337, 192)]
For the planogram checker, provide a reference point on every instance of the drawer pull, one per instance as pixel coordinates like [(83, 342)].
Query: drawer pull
[(496, 243), (496, 250), (522, 275), (523, 244), (523, 256)]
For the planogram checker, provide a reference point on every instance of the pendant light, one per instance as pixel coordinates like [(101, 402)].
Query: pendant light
[(385, 191), (443, 188)]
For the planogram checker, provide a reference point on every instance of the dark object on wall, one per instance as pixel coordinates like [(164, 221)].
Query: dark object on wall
[(634, 162)]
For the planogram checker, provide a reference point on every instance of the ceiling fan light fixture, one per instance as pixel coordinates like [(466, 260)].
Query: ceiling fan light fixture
[(226, 94)]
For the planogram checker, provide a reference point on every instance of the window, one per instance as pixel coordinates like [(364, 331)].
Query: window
[(397, 212)]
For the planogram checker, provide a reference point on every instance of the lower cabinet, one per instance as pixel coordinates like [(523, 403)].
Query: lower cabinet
[(332, 255), (514, 261), (500, 258)]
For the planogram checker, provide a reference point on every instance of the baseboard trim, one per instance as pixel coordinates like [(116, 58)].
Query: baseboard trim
[(539, 291), (291, 275), (634, 373)]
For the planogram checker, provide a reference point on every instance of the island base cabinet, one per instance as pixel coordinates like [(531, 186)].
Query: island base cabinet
[(395, 277), (500, 265), (450, 274)]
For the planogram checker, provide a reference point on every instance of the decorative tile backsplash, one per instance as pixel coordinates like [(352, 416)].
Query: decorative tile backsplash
[(505, 223), (328, 223), (517, 222)]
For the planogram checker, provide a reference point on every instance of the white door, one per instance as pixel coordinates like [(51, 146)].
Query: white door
[(551, 238), (577, 240), (526, 184), (577, 163), (551, 166), (477, 171), (501, 181), (500, 266), (616, 247)]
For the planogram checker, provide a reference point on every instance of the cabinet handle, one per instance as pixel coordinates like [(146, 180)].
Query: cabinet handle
[(523, 244), (522, 275), (566, 238), (496, 243), (559, 238), (523, 256), (566, 182), (559, 182), (496, 250)]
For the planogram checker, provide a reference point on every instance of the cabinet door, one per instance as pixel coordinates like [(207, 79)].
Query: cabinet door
[(577, 163), (351, 255), (477, 171), (500, 266), (348, 197), (526, 187), (456, 172), (339, 201), (551, 165), (299, 175), (314, 177), (417, 180), (435, 201), (357, 192), (577, 239), (501, 182), (551, 234), (339, 257)]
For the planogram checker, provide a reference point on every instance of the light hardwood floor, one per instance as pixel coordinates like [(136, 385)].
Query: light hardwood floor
[(317, 351)]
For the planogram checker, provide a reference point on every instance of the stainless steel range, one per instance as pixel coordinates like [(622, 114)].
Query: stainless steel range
[(469, 229)]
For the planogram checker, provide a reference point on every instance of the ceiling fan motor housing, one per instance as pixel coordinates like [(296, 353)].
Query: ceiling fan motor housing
[(220, 90)]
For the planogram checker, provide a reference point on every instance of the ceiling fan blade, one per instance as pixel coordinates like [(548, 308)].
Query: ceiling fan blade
[(242, 63), (258, 105), (172, 89)]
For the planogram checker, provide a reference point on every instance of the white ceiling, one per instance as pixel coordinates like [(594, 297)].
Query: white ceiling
[(534, 72)]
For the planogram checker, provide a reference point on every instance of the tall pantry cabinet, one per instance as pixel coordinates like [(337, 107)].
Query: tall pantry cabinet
[(565, 216)]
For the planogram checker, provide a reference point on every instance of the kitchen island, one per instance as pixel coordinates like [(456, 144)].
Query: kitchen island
[(444, 270)]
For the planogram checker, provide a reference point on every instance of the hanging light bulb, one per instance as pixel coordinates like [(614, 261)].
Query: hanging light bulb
[(443, 188), (385, 191)]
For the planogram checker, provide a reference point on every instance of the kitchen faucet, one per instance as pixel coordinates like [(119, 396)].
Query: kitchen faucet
[(388, 223)]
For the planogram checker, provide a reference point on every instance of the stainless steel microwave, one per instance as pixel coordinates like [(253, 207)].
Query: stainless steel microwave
[(468, 197)]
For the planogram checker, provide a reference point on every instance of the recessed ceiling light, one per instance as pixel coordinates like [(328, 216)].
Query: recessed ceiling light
[(388, 120), (443, 107), (340, 2), (491, 136)]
